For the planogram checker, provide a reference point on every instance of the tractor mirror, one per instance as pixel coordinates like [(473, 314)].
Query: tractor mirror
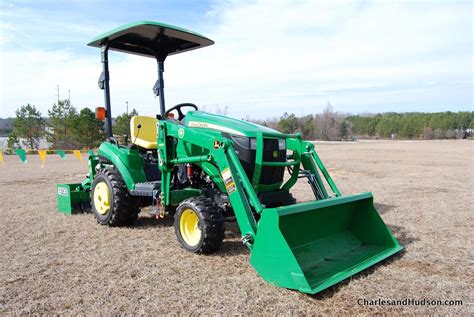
[(100, 113), (101, 81), (156, 88)]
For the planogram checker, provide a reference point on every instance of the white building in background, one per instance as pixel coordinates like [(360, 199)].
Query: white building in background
[(3, 142), (41, 144)]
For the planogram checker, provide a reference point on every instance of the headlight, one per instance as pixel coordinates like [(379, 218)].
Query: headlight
[(281, 144), (253, 143)]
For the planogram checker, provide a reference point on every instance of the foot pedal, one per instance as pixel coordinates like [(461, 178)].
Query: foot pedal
[(155, 205), (146, 189)]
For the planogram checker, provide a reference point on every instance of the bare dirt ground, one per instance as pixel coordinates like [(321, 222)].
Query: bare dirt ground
[(53, 263)]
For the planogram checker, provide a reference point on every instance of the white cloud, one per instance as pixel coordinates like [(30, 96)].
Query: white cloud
[(31, 77), (276, 56)]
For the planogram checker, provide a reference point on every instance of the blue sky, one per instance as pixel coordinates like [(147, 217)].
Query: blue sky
[(269, 57)]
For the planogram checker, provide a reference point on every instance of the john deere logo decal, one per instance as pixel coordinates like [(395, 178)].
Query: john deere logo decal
[(181, 133), (275, 154), (217, 144)]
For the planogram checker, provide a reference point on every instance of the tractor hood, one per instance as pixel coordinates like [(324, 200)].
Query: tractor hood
[(205, 120)]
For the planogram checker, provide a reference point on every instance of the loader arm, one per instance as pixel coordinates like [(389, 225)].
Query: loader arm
[(223, 166), (196, 146)]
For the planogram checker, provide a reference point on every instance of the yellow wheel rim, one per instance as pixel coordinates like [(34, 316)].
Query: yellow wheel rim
[(189, 227), (102, 198)]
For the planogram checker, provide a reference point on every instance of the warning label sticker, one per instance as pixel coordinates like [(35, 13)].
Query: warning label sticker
[(228, 180), (62, 191)]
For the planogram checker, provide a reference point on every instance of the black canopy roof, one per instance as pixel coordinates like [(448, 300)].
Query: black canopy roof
[(151, 39)]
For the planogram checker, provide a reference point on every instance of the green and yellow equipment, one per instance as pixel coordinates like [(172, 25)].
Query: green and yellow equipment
[(204, 168)]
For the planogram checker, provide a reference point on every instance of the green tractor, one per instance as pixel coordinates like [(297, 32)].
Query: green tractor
[(203, 168)]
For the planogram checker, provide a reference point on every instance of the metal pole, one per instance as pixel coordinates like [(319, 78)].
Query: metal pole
[(161, 69), (108, 112), (127, 106)]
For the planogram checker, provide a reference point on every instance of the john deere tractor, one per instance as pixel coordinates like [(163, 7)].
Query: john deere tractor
[(202, 168)]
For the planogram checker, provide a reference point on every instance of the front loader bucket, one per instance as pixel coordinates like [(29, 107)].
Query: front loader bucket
[(312, 246)]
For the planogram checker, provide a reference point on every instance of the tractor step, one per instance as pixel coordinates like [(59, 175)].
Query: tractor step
[(146, 188)]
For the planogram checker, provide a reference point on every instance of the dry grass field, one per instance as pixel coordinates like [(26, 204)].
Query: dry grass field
[(53, 263)]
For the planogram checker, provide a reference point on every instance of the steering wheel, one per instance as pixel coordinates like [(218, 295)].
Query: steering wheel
[(178, 109)]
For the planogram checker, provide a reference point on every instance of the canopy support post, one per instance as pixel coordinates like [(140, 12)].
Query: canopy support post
[(104, 84), (159, 88)]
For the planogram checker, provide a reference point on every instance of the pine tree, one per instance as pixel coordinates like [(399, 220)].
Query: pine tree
[(28, 125), (288, 123), (86, 131), (62, 116)]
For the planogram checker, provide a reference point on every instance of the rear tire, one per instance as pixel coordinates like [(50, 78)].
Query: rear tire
[(199, 225), (111, 202)]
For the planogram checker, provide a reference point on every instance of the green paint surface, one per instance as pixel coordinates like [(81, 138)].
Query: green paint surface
[(70, 197), (312, 246), (128, 161)]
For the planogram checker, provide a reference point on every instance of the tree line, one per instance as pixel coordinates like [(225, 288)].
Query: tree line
[(66, 128), (333, 126)]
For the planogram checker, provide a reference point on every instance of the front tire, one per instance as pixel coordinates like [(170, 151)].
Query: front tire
[(111, 202), (199, 225)]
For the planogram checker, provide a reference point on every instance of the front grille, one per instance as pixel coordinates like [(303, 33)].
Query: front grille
[(271, 153)]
